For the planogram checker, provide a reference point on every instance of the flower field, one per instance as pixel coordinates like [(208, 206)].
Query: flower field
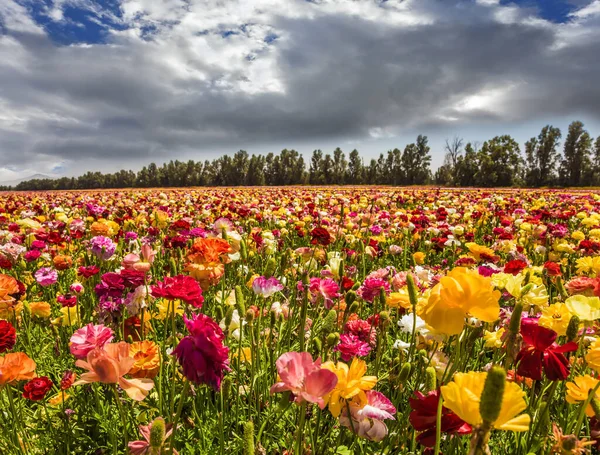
[(300, 321)]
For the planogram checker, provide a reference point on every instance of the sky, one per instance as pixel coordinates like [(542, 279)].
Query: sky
[(117, 84)]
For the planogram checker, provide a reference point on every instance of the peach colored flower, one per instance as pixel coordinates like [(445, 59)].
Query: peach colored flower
[(16, 366)]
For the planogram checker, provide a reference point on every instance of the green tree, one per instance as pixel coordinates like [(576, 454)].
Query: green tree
[(499, 163), (576, 156), (354, 174), (541, 157)]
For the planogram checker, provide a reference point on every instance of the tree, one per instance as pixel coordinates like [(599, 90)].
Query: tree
[(315, 172), (354, 172), (541, 157), (499, 163), (576, 156), (448, 170), (596, 163), (415, 162)]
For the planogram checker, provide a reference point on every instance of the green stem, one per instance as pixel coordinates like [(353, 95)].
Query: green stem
[(123, 418), (300, 436), (184, 392), (438, 426)]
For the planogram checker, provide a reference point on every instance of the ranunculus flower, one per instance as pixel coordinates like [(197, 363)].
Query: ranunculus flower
[(584, 307), (102, 247), (367, 419), (46, 276), (351, 346), (320, 236), (8, 336), (541, 351), (180, 287), (304, 378), (266, 287), (323, 289), (16, 366), (201, 354), (88, 338), (147, 359), (37, 388), (372, 287)]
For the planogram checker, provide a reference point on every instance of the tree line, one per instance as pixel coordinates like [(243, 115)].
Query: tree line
[(497, 162)]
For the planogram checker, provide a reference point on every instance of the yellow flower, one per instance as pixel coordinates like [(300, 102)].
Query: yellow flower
[(556, 317), (165, 306), (577, 235), (68, 316), (585, 308), (352, 384), (579, 390), (399, 299), (463, 395), (478, 250), (147, 359), (419, 257), (245, 355), (595, 233), (593, 355), (589, 265), (537, 295), (58, 399), (460, 293), (493, 339), (40, 309)]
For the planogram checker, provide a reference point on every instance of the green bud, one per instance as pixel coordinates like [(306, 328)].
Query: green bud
[(226, 388), (526, 289), (492, 395), (224, 233), (561, 288), (422, 353), (248, 438), (270, 268), (412, 290), (328, 322), (430, 379), (317, 345), (239, 300), (527, 278), (157, 433), (219, 312), (350, 297), (332, 339), (405, 372), (341, 269), (354, 308), (573, 328), (383, 297), (249, 316), (384, 316), (229, 316), (173, 266), (243, 250), (515, 320)]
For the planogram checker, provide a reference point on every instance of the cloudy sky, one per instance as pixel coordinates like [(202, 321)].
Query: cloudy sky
[(111, 84)]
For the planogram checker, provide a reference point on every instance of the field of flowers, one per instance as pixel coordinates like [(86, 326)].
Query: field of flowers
[(300, 321)]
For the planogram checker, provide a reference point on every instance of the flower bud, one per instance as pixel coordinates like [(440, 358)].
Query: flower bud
[(329, 322), (354, 308), (412, 290), (317, 344), (384, 316), (515, 319), (249, 316), (157, 433), (493, 392), (573, 328), (350, 298), (270, 268), (239, 300), (526, 289), (332, 339), (173, 266), (226, 388), (243, 250), (405, 372), (218, 312), (248, 438), (228, 316), (430, 379)]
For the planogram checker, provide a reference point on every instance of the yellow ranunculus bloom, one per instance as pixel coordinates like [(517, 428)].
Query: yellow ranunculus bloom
[(460, 293), (419, 257), (578, 391), (585, 308), (40, 309), (589, 265), (478, 250), (493, 339), (556, 317), (463, 394), (593, 355), (68, 316), (399, 299), (165, 306), (352, 383)]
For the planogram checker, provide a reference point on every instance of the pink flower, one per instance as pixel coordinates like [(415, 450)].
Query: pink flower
[(367, 421), (363, 330), (371, 288), (130, 260), (351, 346), (89, 337), (46, 276), (201, 354), (304, 378), (144, 447), (266, 287), (581, 285), (324, 289)]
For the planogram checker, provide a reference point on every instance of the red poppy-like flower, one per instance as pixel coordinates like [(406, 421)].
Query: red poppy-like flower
[(515, 267), (552, 268), (8, 336), (320, 236), (201, 354), (67, 380), (37, 388), (347, 283), (541, 352), (424, 414), (88, 271), (180, 287), (68, 300)]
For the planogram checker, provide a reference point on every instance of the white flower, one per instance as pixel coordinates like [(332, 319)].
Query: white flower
[(406, 324), (402, 345)]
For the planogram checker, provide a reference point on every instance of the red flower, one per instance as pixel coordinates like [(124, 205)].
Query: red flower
[(88, 271), (347, 283), (180, 287), (68, 300), (552, 268), (541, 352), (8, 336), (37, 388), (201, 354), (515, 267), (67, 380), (320, 236), (424, 414)]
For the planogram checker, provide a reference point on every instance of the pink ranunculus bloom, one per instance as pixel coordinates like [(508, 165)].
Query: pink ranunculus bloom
[(266, 287), (89, 337), (143, 447), (351, 346), (130, 260), (371, 288), (324, 289), (367, 421), (304, 378), (581, 285), (46, 276)]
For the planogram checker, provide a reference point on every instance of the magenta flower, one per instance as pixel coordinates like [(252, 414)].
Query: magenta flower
[(351, 346), (102, 247), (371, 288), (368, 420), (88, 338), (201, 354), (323, 289), (266, 287), (46, 276), (304, 378)]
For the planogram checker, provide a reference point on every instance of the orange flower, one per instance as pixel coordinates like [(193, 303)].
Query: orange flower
[(8, 286), (62, 262), (207, 275), (40, 309), (16, 366), (147, 359), (108, 366), (98, 228), (211, 249)]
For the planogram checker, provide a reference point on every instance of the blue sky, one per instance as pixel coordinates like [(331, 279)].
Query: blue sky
[(111, 84)]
